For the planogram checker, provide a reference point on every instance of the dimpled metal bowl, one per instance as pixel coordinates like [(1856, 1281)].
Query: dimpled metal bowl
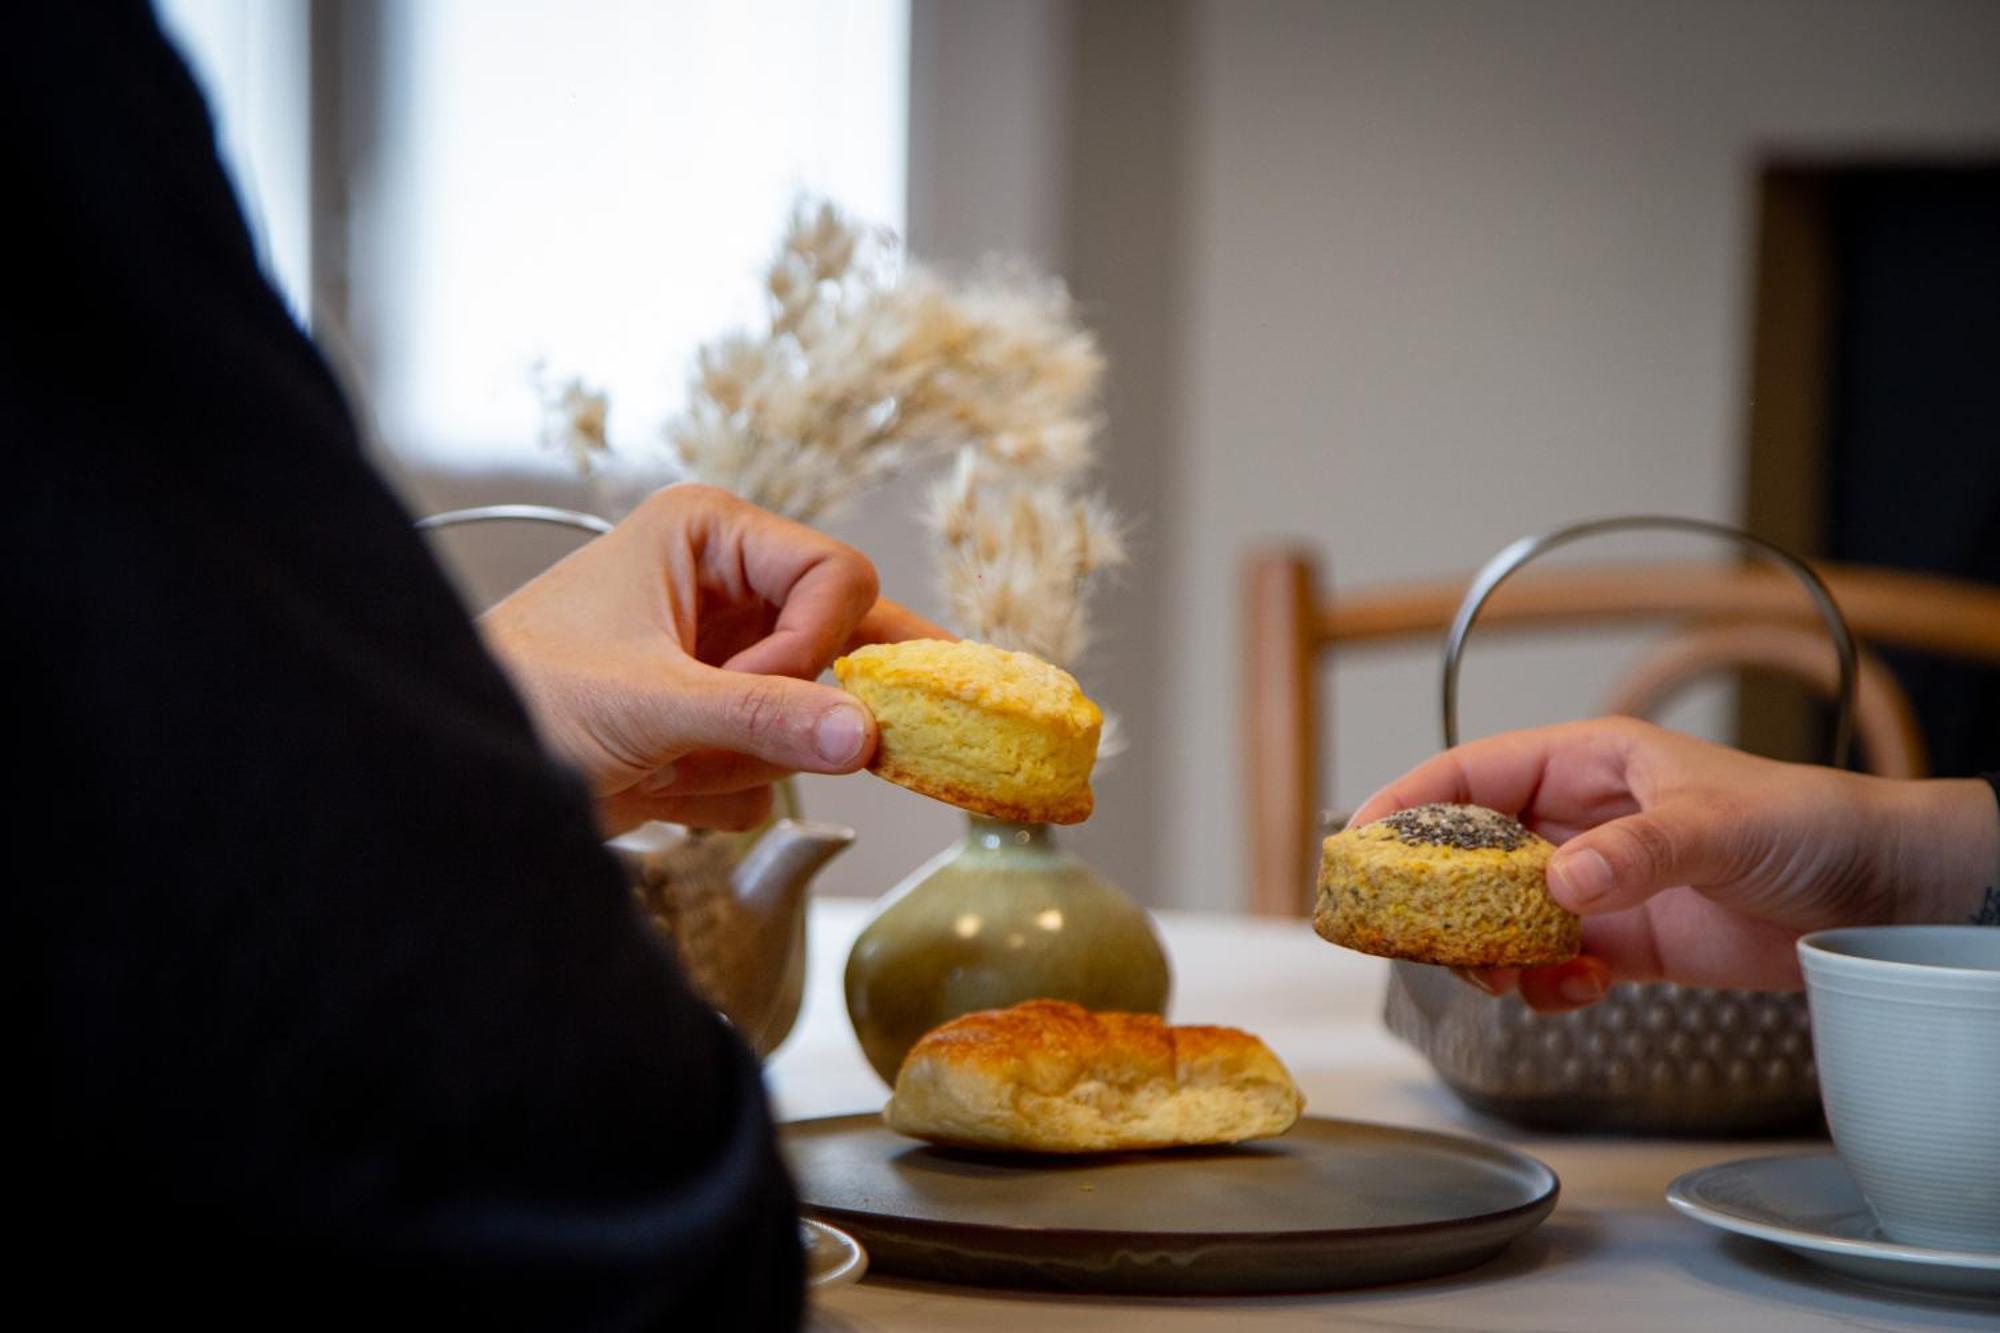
[(1646, 1059)]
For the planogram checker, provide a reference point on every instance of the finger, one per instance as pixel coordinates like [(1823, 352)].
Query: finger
[(724, 631), (1555, 779), (1499, 772), (1492, 980), (792, 724), (1581, 981), (711, 773), (1622, 863), (1623, 945), (731, 812), (822, 588), (891, 622)]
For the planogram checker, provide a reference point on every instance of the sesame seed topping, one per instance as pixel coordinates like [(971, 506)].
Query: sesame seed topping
[(1466, 827)]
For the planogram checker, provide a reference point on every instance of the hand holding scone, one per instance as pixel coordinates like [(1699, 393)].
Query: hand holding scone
[(1047, 1076), (1695, 863), (1455, 885), (995, 732), (671, 661)]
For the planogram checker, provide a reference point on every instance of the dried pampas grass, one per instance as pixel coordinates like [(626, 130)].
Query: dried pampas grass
[(575, 419), (870, 365), (867, 365), (1018, 558)]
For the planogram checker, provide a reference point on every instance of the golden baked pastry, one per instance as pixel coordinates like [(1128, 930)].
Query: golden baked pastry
[(996, 732), (1047, 1076), (1458, 885)]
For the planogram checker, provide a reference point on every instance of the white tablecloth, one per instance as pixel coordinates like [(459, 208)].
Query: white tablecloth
[(1612, 1257)]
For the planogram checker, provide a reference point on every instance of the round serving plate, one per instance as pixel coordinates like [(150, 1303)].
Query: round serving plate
[(1334, 1203)]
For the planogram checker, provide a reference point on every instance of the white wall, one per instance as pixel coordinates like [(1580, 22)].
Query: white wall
[(1460, 272)]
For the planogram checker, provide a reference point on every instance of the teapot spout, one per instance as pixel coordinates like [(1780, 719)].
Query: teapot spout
[(771, 881), (769, 887)]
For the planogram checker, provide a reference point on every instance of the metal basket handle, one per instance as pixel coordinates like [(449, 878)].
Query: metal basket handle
[(1495, 571)]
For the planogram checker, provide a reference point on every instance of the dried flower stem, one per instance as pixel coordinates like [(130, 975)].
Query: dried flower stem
[(870, 365), (1019, 557), (575, 418)]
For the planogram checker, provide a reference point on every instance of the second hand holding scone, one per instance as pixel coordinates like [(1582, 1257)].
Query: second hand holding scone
[(1455, 885), (999, 733)]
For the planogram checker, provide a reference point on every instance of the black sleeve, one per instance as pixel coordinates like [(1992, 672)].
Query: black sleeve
[(334, 1006)]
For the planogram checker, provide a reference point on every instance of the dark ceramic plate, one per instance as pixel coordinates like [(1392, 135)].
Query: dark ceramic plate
[(1332, 1204)]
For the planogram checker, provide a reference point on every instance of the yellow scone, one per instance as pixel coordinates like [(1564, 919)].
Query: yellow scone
[(998, 733), (1458, 885)]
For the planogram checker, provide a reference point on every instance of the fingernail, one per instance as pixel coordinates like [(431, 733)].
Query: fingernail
[(1584, 874), (840, 733), (1474, 980), (659, 779), (1581, 987)]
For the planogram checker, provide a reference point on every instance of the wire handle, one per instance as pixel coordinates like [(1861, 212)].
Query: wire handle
[(1495, 572), (566, 518)]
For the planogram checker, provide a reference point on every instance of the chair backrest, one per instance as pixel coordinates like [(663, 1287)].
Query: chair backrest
[(1291, 625), (1892, 746)]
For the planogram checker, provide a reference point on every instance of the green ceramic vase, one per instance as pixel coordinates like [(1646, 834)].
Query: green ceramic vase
[(1002, 917)]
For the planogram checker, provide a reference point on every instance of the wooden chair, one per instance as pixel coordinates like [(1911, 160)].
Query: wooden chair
[(1731, 616), (1886, 726)]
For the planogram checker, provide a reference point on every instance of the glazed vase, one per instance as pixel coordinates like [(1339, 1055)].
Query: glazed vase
[(1004, 916)]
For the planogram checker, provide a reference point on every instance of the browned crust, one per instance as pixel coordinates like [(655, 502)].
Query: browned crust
[(1072, 808), (1558, 942), (1049, 1032)]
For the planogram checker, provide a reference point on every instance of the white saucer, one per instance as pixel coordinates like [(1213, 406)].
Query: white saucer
[(833, 1258), (1812, 1207)]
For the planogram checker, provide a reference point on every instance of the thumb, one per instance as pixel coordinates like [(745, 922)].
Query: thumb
[(791, 723), (1622, 863)]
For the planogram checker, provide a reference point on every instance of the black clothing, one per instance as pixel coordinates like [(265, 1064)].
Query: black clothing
[(334, 1005)]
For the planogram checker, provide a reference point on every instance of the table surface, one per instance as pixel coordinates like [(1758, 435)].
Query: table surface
[(1612, 1256)]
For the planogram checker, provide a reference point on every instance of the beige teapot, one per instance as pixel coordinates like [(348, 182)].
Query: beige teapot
[(736, 919)]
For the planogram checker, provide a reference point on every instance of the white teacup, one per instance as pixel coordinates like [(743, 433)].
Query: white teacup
[(1906, 1030)]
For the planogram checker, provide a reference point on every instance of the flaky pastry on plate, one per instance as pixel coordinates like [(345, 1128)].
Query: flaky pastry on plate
[(1050, 1077)]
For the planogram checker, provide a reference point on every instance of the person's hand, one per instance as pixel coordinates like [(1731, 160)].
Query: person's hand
[(1695, 863), (670, 661)]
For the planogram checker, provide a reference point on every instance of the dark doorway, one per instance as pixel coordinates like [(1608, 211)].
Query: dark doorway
[(1875, 416)]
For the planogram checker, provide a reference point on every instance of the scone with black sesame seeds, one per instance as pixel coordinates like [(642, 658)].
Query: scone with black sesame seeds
[(999, 733), (1456, 885)]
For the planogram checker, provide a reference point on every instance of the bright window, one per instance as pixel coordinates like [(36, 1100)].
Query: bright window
[(594, 185), (251, 59)]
